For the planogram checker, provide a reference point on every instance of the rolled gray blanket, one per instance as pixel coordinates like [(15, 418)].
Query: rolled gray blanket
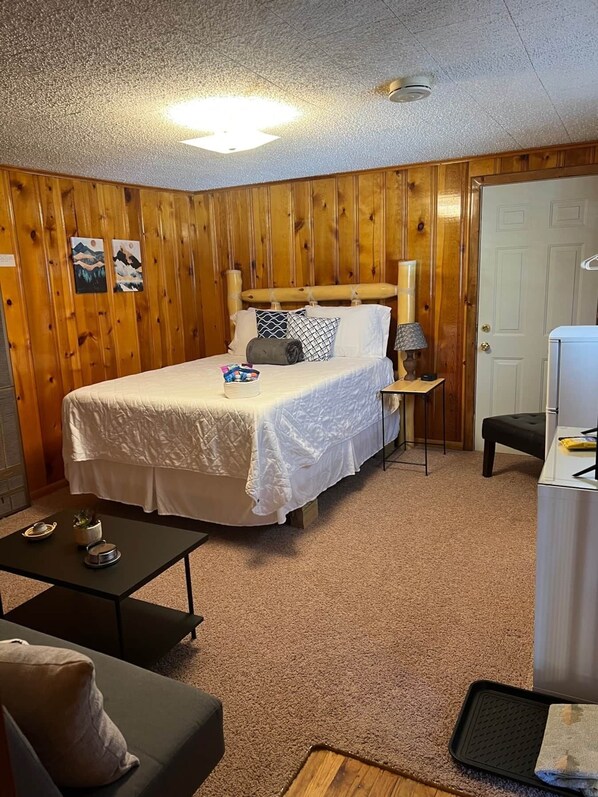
[(274, 351)]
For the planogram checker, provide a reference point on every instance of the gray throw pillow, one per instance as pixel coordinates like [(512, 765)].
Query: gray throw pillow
[(52, 695)]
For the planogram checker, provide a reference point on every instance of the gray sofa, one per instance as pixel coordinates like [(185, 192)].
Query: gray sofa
[(176, 731)]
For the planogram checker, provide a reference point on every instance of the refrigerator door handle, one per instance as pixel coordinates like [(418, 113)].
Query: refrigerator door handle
[(552, 421), (554, 364)]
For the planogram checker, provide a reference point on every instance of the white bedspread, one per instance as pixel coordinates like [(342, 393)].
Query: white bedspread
[(179, 417)]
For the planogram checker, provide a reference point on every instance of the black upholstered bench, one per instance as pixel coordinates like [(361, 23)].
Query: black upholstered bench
[(524, 431)]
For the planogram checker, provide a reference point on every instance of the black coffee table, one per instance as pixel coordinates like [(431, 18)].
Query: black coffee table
[(92, 607)]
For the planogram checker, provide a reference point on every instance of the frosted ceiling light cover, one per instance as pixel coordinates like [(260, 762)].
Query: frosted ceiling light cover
[(221, 114), (236, 141)]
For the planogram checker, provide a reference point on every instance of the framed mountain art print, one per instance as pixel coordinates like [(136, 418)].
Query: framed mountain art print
[(89, 265), (128, 272)]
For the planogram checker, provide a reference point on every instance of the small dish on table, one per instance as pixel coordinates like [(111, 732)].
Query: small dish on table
[(102, 554), (39, 531)]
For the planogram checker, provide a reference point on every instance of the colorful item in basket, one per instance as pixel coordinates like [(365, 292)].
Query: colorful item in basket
[(580, 443), (239, 372)]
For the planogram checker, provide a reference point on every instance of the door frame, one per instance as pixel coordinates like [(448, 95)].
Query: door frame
[(473, 275)]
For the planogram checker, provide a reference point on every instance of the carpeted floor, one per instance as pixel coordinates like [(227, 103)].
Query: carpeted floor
[(364, 631)]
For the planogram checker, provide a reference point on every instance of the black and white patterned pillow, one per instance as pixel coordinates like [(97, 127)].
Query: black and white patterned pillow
[(273, 323), (316, 335)]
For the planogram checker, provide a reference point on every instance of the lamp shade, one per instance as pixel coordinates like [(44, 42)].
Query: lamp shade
[(410, 337)]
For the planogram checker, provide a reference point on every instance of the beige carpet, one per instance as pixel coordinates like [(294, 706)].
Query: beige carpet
[(364, 631)]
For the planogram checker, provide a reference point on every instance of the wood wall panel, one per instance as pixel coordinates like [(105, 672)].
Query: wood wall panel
[(41, 310), (211, 284), (282, 235), (19, 341), (191, 326), (448, 293), (324, 230), (370, 226), (259, 227), (324, 195), (61, 340), (348, 238), (302, 229), (356, 227)]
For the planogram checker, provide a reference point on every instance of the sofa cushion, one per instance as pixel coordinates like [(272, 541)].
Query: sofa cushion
[(52, 695), (174, 729), (30, 776)]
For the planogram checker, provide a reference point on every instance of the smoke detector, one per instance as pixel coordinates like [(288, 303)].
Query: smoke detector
[(409, 89)]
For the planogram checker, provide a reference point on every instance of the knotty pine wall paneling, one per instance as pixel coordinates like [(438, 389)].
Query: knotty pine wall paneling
[(42, 313), (207, 254), (61, 340), (17, 330), (348, 238), (446, 330), (325, 240), (352, 227), (355, 227), (302, 232)]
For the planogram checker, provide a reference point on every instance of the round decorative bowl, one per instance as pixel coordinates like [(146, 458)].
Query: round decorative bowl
[(237, 390), (102, 555)]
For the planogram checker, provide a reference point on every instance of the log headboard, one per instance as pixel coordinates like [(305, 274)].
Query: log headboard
[(404, 290)]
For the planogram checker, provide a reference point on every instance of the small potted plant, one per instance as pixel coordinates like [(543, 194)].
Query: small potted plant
[(87, 527)]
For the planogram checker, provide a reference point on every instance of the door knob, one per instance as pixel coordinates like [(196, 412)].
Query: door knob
[(485, 327), (485, 346)]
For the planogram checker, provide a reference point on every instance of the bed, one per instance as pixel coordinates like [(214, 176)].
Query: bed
[(169, 440)]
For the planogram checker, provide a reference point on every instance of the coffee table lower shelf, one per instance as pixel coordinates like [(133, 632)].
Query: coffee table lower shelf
[(149, 630)]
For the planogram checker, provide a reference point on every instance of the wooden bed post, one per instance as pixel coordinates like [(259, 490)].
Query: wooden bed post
[(405, 315), (234, 286)]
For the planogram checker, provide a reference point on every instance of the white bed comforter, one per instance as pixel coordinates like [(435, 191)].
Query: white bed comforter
[(179, 417)]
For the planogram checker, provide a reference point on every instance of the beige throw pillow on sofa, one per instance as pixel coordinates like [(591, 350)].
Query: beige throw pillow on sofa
[(52, 696)]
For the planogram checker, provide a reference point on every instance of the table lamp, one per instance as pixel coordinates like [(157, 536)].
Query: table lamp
[(410, 338)]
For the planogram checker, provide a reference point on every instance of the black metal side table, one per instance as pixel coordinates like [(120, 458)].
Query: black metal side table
[(417, 387)]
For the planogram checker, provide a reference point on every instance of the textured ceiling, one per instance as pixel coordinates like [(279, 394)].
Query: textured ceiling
[(84, 85)]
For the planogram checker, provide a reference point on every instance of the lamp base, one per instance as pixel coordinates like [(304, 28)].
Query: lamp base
[(409, 364)]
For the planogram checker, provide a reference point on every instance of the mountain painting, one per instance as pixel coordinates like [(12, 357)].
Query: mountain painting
[(128, 271), (89, 265)]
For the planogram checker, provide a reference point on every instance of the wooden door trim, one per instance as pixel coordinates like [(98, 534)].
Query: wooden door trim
[(538, 174), (473, 275)]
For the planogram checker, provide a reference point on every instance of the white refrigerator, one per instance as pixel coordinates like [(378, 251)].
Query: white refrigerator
[(566, 608), (572, 382)]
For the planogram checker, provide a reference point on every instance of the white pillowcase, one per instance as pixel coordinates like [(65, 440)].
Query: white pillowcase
[(363, 329), (245, 330)]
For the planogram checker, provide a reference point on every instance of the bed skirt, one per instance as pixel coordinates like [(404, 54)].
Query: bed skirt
[(222, 499)]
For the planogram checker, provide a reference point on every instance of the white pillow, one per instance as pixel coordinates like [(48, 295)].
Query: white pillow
[(363, 329), (245, 330)]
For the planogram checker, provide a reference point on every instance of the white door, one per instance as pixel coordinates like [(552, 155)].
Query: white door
[(533, 238)]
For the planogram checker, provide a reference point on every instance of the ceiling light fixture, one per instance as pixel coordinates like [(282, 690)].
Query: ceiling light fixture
[(233, 141), (235, 121), (219, 114), (409, 89)]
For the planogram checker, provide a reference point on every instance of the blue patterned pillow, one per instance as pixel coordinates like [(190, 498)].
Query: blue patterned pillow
[(316, 335), (273, 323)]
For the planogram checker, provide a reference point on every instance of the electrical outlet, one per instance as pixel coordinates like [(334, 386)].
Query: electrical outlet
[(7, 260)]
